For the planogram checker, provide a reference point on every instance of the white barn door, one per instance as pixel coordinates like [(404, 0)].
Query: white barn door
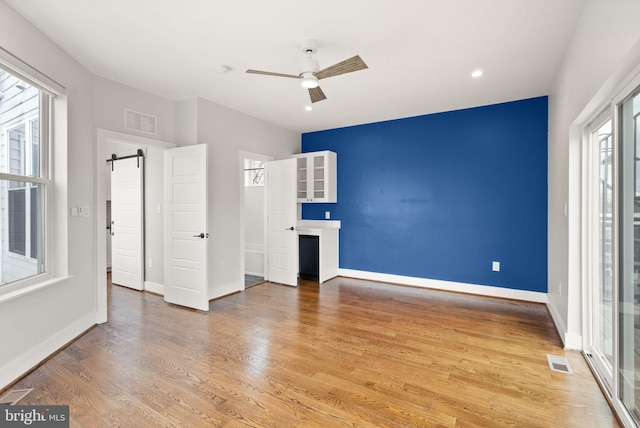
[(127, 248), (185, 226)]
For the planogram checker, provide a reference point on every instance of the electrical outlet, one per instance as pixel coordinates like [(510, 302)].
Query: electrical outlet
[(150, 262), (495, 266), (327, 215)]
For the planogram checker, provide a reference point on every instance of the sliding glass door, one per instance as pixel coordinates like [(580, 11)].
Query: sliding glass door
[(629, 256), (602, 236), (611, 251)]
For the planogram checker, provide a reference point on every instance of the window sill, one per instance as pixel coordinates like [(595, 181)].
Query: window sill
[(28, 289)]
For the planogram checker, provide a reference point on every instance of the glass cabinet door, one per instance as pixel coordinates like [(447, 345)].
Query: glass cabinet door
[(302, 178), (318, 177)]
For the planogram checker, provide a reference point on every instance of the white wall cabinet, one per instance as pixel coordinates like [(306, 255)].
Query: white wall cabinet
[(317, 176)]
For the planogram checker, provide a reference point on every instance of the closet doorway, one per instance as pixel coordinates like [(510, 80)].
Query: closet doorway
[(253, 194)]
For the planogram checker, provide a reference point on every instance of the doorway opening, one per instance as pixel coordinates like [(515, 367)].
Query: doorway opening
[(253, 207), (153, 210)]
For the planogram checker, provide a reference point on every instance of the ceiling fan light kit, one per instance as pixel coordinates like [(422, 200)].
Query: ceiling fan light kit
[(309, 76), (309, 80)]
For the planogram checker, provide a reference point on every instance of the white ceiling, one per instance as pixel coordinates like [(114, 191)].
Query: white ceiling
[(420, 53)]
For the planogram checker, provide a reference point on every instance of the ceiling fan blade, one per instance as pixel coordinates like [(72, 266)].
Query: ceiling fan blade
[(347, 66), (316, 94), (270, 73)]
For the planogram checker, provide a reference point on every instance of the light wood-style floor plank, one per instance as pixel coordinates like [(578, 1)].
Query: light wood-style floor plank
[(344, 353)]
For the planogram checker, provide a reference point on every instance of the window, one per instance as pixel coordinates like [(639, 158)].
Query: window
[(23, 186), (253, 172)]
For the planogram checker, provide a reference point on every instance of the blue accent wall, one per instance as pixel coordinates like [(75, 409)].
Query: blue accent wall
[(443, 195)]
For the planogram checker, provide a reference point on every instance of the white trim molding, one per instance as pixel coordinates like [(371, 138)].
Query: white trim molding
[(459, 287), (154, 287)]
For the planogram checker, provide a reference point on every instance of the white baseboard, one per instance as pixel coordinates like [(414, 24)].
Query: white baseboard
[(569, 340), (459, 287), (154, 287), (573, 341), (27, 361)]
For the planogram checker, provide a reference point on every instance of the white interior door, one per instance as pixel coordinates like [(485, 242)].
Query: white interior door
[(127, 259), (186, 236), (282, 219)]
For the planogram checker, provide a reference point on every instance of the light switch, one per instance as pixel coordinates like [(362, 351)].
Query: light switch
[(495, 266)]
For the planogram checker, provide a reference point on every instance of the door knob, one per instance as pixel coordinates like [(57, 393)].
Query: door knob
[(290, 228), (201, 235)]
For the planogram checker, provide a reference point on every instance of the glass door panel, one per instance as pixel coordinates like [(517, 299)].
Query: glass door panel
[(629, 280), (603, 293)]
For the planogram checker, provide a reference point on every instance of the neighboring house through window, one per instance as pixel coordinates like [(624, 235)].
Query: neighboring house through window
[(22, 184)]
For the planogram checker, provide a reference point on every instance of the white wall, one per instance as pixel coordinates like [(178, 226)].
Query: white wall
[(38, 323), (604, 48), (227, 132), (111, 98)]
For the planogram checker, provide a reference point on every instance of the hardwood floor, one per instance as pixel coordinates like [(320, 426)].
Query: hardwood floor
[(347, 353)]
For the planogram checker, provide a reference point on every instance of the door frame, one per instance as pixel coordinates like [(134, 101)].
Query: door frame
[(103, 137), (242, 155)]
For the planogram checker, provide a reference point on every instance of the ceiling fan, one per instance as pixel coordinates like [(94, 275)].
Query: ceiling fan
[(310, 74)]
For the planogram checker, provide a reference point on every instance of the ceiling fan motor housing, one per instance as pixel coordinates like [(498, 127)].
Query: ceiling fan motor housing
[(309, 65)]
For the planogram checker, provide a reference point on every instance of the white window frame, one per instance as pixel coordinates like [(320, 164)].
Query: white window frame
[(55, 265), (44, 180)]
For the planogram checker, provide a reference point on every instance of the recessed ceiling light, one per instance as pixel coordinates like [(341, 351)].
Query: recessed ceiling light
[(476, 73), (308, 108)]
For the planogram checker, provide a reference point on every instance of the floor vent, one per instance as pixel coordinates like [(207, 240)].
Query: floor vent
[(12, 397), (559, 364)]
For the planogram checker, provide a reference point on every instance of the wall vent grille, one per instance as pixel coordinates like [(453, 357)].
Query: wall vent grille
[(141, 122), (14, 396)]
